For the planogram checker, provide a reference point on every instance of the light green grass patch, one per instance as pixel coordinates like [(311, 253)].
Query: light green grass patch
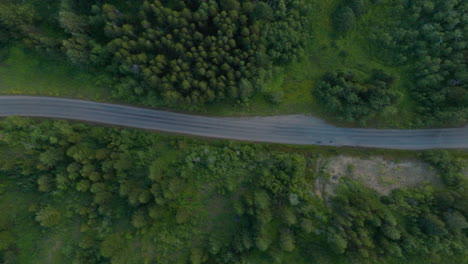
[(25, 72)]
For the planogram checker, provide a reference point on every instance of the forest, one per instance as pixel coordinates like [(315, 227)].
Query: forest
[(257, 56), (126, 196), (425, 38), (430, 36), (185, 52), (81, 193)]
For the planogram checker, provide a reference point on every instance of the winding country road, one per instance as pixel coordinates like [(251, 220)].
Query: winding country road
[(290, 129)]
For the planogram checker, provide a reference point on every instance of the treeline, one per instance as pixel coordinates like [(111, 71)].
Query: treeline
[(429, 39), (186, 201), (181, 52)]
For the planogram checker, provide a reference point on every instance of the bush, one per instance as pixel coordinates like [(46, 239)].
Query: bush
[(344, 19), (450, 168), (354, 98), (276, 96)]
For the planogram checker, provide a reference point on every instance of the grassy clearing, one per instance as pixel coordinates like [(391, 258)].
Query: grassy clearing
[(25, 72)]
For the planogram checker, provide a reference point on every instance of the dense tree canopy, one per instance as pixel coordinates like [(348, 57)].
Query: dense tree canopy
[(188, 52), (201, 51), (408, 222), (124, 196), (430, 38), (354, 98)]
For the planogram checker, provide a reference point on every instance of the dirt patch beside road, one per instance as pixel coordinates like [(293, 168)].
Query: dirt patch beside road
[(377, 173)]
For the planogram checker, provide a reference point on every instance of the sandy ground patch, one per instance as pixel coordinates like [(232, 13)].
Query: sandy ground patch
[(376, 173)]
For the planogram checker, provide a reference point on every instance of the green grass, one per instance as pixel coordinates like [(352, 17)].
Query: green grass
[(25, 72)]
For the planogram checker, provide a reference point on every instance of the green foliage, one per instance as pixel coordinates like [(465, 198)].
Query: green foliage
[(455, 220), (6, 240), (346, 14), (169, 51), (354, 98), (112, 245), (407, 222), (44, 183), (125, 196), (287, 240), (337, 243), (429, 35), (285, 37), (88, 33), (450, 167), (121, 184), (359, 6), (206, 52), (49, 216), (432, 225), (344, 19), (276, 97)]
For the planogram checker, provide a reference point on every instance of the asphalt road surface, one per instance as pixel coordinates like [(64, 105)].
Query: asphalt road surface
[(289, 129)]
